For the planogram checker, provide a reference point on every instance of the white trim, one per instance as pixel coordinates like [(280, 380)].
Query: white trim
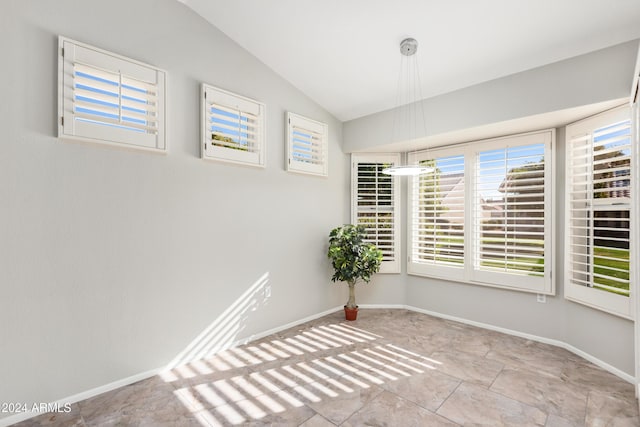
[(82, 396), (604, 365), (386, 267), (4, 422)]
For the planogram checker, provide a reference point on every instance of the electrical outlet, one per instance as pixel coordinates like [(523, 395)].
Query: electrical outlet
[(542, 298)]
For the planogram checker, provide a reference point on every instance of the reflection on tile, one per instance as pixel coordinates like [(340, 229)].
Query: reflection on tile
[(341, 404), (554, 420), (428, 390), (317, 421), (472, 404), (389, 409), (467, 367), (546, 392), (390, 367), (606, 409)]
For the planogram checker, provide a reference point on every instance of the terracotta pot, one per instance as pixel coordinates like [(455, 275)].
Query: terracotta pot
[(350, 313)]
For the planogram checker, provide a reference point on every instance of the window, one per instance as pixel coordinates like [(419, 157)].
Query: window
[(598, 204), (307, 145), (233, 127), (375, 204), (483, 214), (110, 99)]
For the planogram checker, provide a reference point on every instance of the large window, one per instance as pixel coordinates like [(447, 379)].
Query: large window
[(110, 99), (233, 127), (483, 214), (375, 204), (599, 153)]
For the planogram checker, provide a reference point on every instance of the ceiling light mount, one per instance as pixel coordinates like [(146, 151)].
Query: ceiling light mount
[(408, 46), (409, 107)]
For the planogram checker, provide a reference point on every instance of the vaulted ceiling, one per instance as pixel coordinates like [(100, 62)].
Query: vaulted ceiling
[(344, 53)]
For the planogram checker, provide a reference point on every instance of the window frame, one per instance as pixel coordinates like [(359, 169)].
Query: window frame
[(387, 266), (468, 273), (72, 52), (294, 166), (229, 100), (619, 305)]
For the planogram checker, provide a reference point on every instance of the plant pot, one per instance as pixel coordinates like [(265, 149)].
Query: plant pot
[(350, 313)]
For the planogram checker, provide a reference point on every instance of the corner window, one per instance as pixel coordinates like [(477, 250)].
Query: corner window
[(599, 166), (307, 145), (483, 213), (375, 204), (232, 127), (110, 99)]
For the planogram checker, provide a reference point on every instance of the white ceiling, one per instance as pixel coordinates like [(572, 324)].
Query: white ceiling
[(344, 53)]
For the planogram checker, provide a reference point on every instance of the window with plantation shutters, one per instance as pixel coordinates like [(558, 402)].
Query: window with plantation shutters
[(438, 215), (107, 98), (483, 213), (599, 167), (233, 127), (375, 204), (307, 145), (512, 213)]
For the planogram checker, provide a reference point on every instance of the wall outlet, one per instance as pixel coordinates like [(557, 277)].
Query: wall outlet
[(542, 298)]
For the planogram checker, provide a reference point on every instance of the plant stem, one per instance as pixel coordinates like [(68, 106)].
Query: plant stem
[(352, 295)]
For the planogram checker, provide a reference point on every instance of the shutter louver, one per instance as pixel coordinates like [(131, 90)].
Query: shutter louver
[(111, 99), (233, 127), (306, 145), (600, 196), (599, 221), (438, 217), (510, 213)]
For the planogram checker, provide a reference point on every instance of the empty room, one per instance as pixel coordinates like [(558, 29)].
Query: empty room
[(319, 213)]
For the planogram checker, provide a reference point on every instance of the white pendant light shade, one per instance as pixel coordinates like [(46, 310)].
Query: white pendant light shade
[(408, 105), (407, 170)]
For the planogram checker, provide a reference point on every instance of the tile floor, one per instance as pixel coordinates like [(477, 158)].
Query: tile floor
[(388, 368)]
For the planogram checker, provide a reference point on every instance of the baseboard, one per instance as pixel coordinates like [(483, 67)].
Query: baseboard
[(4, 422), (612, 369), (81, 396), (283, 327)]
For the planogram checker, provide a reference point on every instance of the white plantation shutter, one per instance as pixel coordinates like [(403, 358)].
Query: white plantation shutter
[(233, 127), (438, 215), (307, 145), (599, 222), (512, 214), (375, 204), (483, 214), (107, 98)]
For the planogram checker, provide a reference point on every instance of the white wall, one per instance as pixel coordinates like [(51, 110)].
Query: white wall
[(592, 78), (588, 79), (112, 261)]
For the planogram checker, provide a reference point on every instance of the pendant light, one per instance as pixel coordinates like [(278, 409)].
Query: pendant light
[(408, 102)]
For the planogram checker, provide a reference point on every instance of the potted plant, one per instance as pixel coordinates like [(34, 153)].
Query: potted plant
[(353, 260)]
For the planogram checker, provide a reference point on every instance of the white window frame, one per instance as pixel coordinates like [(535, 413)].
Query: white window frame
[(387, 266), (246, 109), (602, 300), (149, 133), (319, 166), (468, 273)]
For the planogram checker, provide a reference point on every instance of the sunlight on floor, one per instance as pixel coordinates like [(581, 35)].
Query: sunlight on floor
[(260, 391)]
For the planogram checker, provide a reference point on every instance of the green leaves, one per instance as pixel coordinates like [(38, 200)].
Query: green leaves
[(351, 257)]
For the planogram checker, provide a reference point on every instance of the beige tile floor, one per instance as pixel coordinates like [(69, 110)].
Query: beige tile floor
[(388, 368)]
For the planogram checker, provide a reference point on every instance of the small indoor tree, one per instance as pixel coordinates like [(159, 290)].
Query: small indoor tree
[(353, 260)]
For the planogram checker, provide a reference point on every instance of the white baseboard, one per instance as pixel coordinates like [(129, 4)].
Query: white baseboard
[(81, 396), (4, 422), (612, 369)]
